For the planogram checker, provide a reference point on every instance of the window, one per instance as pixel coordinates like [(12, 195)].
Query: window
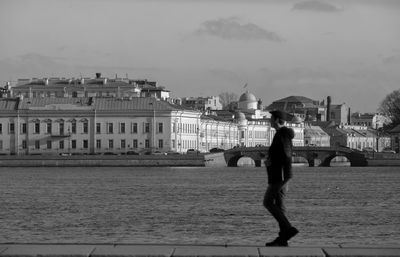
[(110, 128), (12, 128), (85, 144), (123, 143), (147, 127), (160, 127), (73, 127), (160, 143), (37, 128), (134, 128), (61, 144), (122, 128), (110, 144), (73, 144), (48, 144), (24, 145), (174, 127), (85, 127), (98, 144), (37, 144), (135, 143), (147, 143), (98, 128), (61, 128), (1, 144), (1, 128), (23, 129), (48, 128)]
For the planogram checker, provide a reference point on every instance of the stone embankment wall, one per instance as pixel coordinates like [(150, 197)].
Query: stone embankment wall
[(215, 159), (102, 160)]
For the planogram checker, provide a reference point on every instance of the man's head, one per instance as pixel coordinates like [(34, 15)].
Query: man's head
[(278, 119)]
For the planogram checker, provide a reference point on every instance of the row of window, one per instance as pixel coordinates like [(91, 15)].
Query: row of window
[(75, 144), (85, 128), (61, 94)]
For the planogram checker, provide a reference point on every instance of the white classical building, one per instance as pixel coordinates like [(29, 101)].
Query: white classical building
[(90, 125)]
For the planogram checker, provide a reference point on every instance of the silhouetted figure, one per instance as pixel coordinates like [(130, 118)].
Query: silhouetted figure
[(279, 169)]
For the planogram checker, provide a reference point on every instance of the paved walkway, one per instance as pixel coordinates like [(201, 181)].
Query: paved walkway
[(149, 250)]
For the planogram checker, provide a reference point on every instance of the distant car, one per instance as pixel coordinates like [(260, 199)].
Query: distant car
[(172, 153), (132, 153), (216, 150), (159, 153), (368, 149), (192, 151)]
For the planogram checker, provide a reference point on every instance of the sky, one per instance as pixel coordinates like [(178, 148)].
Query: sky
[(346, 49)]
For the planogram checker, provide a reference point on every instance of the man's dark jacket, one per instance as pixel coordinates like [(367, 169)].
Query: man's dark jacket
[(280, 156)]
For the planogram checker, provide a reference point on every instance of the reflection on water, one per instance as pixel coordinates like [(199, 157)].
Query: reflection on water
[(196, 205)]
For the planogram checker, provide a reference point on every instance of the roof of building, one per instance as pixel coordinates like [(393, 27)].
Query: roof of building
[(296, 99), (288, 102), (86, 82), (247, 97), (395, 129), (310, 130), (362, 115), (8, 104), (136, 103), (104, 104)]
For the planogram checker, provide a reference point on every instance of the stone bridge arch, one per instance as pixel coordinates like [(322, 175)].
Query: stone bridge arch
[(323, 154)]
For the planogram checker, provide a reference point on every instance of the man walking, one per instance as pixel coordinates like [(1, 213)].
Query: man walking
[(279, 169)]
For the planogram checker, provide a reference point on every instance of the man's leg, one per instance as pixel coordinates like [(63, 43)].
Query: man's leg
[(274, 203)]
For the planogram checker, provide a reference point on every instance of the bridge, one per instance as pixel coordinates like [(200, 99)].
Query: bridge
[(309, 153)]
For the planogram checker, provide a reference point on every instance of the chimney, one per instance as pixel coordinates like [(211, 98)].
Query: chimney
[(98, 75), (328, 108), (349, 117)]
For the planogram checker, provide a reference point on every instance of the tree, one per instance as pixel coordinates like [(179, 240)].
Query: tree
[(227, 99), (390, 106)]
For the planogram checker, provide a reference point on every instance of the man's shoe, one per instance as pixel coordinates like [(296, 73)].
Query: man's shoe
[(291, 232), (277, 242)]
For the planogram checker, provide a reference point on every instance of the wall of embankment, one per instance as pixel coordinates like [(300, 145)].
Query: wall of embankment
[(102, 160)]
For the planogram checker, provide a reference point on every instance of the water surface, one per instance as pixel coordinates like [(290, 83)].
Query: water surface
[(200, 205)]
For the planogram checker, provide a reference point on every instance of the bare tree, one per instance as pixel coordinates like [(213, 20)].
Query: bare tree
[(227, 99), (390, 106)]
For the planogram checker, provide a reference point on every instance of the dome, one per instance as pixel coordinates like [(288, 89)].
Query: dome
[(247, 97), (240, 116)]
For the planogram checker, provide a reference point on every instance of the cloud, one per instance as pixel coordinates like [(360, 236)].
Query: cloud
[(232, 29), (392, 60), (315, 6)]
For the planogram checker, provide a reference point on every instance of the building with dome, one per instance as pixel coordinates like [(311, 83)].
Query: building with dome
[(251, 107), (247, 101)]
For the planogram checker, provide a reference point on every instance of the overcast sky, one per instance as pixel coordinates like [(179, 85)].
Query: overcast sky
[(347, 49)]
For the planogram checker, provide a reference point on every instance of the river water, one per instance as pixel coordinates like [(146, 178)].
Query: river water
[(201, 205)]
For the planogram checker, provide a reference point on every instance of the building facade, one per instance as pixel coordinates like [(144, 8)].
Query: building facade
[(92, 126), (86, 87), (302, 107), (357, 137), (202, 103), (30, 126), (371, 120), (315, 136)]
